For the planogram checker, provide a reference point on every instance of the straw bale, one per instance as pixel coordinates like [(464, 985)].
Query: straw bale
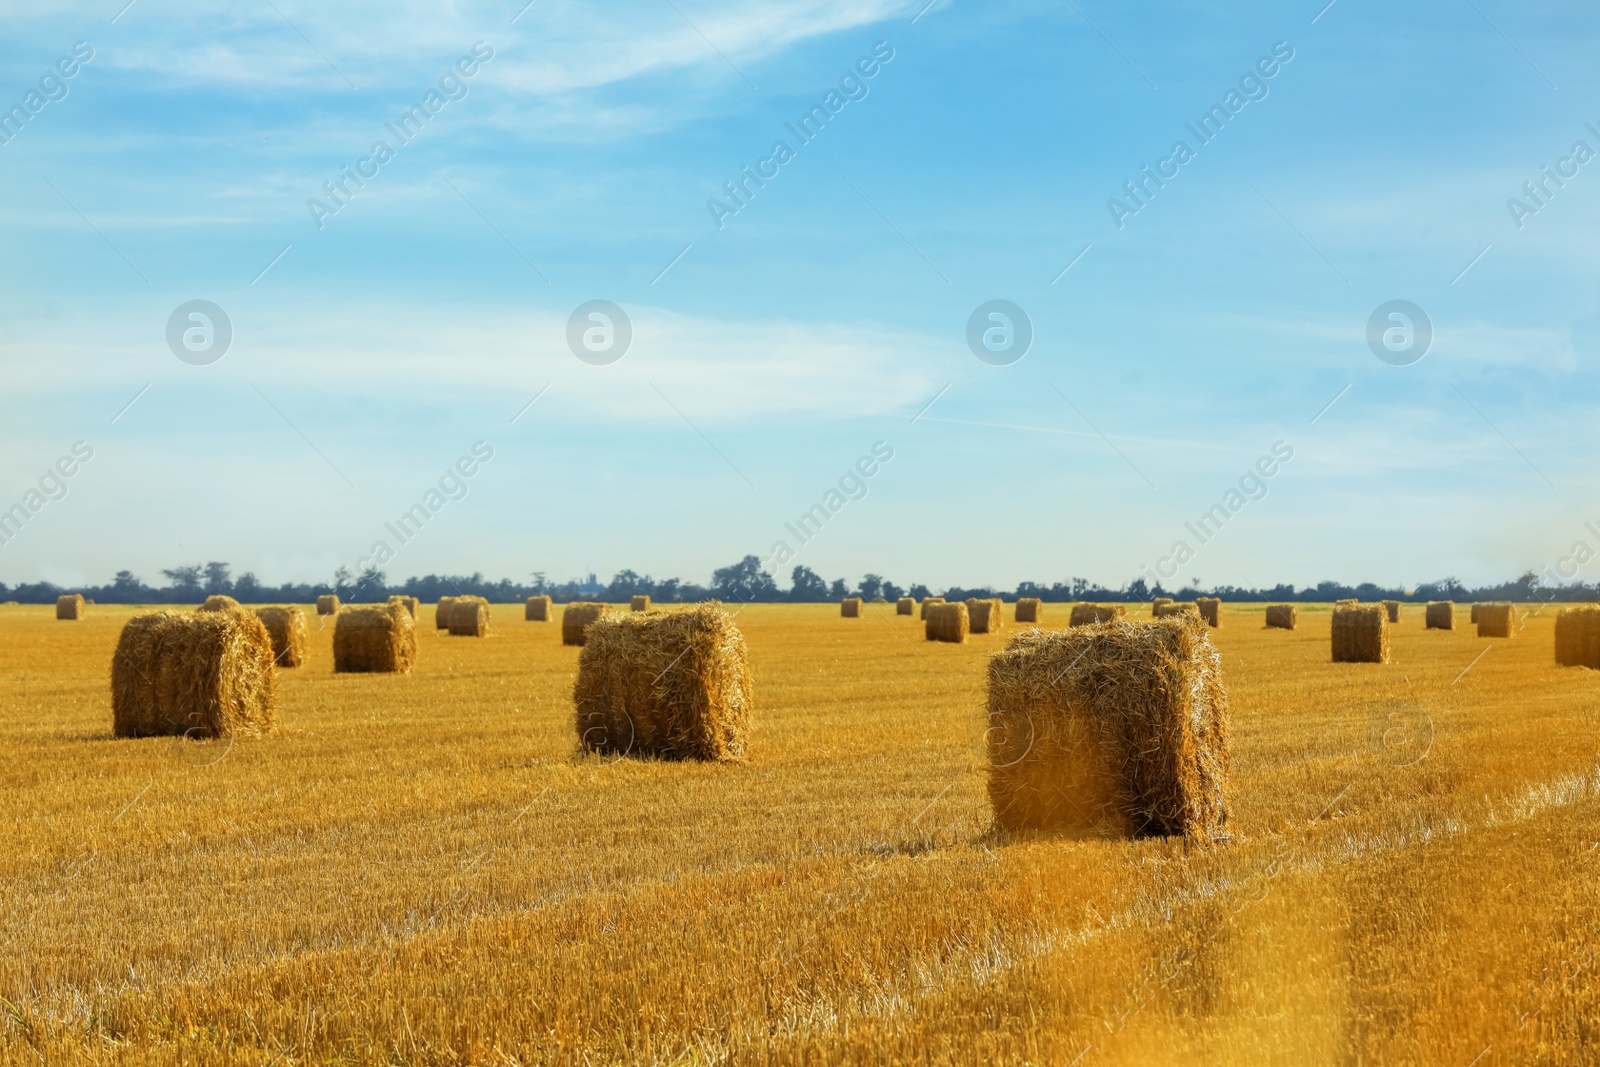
[(905, 606), (1176, 607), (1496, 620), (218, 602), (1474, 616), (328, 604), (537, 610), (850, 607), (986, 616), (469, 617), (72, 606), (410, 603), (286, 626), (1578, 636), (1361, 634), (1116, 729), (576, 618), (441, 612), (674, 685), (193, 674), (375, 639), (1282, 616), (1393, 608), (1029, 609), (1158, 603), (1347, 602), (1088, 614), (639, 603), (946, 622), (1440, 615), (927, 602), (1210, 609)]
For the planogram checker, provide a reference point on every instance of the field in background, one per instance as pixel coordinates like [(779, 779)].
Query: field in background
[(422, 870)]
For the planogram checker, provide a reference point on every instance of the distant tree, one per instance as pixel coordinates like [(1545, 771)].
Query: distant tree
[(668, 590), (538, 583), (806, 586), (744, 582), (343, 581), (892, 591), (185, 580), (247, 587), (1080, 586), (871, 586), (626, 584), (918, 591), (839, 589), (216, 578), (372, 585), (1138, 590), (126, 586)]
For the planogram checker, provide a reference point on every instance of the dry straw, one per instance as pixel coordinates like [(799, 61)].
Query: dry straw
[(905, 606), (1440, 615), (441, 612), (1119, 729), (1089, 614), (328, 604), (1496, 620), (1361, 634), (1474, 616), (576, 618), (287, 628), (469, 617), (1210, 609), (1578, 636), (195, 674), (1029, 609), (1282, 616), (986, 616), (410, 603), (537, 610), (1158, 603), (1393, 608), (945, 622), (639, 603), (850, 607), (1348, 602), (673, 685), (218, 602), (928, 602), (1176, 607), (374, 639), (72, 606)]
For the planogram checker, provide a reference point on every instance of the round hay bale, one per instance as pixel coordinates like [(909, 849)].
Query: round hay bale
[(469, 617), (374, 639), (905, 606), (986, 616), (1029, 609), (441, 613), (1175, 607), (537, 609), (1158, 603), (410, 603), (946, 622), (328, 604), (1210, 609), (850, 607), (1282, 616), (198, 674), (1361, 634), (577, 617), (1440, 615), (1578, 636), (1089, 614), (286, 626), (71, 606), (218, 602), (1392, 608), (1496, 620), (928, 602), (639, 603)]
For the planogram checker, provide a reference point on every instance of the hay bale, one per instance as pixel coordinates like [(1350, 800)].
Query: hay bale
[(286, 626), (218, 602), (441, 612), (639, 603), (1158, 603), (1392, 607), (469, 617), (410, 603), (1282, 616), (905, 606), (1088, 614), (192, 674), (1210, 609), (1440, 615), (985, 616), (374, 639), (537, 610), (1116, 729), (880, 600), (673, 685), (945, 622), (1347, 602), (71, 606), (928, 602), (1578, 636), (328, 604), (1029, 609), (1361, 634), (1474, 616), (1176, 607), (576, 618), (1496, 620), (850, 607)]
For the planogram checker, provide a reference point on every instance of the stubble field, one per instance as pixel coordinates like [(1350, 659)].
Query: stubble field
[(422, 869)]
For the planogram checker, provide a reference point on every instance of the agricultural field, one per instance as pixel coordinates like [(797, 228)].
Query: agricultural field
[(423, 868)]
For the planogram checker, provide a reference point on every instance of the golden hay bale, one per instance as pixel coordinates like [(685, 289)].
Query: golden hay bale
[(1496, 620), (1347, 602), (945, 622), (72, 606), (880, 600), (927, 602), (1158, 603), (328, 604), (194, 674), (1088, 614), (374, 639), (905, 606), (850, 607), (1282, 616), (576, 618), (1474, 616), (986, 616), (1115, 729), (469, 617), (1210, 609), (441, 612), (1029, 609), (218, 602), (673, 685), (1393, 609), (1361, 634), (286, 626), (537, 610), (1175, 607), (410, 603), (1440, 615), (1578, 636), (639, 603)]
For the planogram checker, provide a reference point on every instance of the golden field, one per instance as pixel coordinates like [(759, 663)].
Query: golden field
[(422, 869)]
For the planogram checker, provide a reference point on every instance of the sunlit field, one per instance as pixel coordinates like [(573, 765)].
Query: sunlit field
[(422, 869)]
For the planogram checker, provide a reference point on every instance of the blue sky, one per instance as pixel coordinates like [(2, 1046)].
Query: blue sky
[(576, 164)]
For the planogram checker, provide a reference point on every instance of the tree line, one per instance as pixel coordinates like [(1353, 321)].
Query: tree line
[(742, 582)]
